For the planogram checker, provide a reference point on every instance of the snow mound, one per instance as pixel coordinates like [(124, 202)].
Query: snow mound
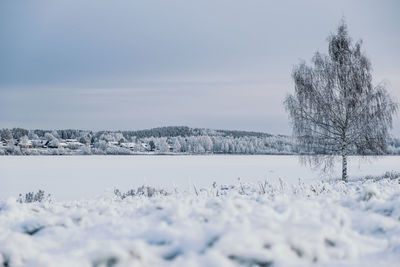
[(324, 223)]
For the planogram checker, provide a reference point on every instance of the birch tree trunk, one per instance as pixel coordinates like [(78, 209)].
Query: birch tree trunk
[(344, 162)]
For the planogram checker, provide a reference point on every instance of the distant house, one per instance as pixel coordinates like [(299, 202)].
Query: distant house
[(170, 147), (45, 143), (39, 143), (146, 146), (128, 145), (63, 145), (71, 144), (3, 143), (51, 145), (25, 144)]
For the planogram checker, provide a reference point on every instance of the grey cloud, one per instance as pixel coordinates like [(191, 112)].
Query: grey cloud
[(137, 64)]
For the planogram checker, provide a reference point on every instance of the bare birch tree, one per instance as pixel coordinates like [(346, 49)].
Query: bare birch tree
[(335, 108)]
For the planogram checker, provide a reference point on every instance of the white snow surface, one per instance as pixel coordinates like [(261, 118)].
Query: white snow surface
[(304, 224), (77, 177)]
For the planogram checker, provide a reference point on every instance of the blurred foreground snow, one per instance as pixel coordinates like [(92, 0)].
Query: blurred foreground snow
[(323, 223)]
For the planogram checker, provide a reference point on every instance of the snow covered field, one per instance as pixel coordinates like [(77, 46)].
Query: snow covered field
[(322, 223), (259, 220), (76, 177)]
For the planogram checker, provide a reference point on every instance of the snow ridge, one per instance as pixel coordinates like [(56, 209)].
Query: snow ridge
[(323, 223)]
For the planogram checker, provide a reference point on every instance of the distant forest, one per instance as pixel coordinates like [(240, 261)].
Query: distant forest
[(163, 140)]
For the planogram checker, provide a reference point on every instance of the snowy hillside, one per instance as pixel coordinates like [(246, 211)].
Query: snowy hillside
[(323, 223), (164, 140)]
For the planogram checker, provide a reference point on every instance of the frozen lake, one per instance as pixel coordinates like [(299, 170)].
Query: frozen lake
[(76, 177)]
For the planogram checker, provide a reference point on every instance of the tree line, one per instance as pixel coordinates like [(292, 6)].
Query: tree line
[(164, 140)]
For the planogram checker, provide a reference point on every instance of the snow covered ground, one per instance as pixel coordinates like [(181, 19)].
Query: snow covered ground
[(305, 224), (76, 177), (267, 218)]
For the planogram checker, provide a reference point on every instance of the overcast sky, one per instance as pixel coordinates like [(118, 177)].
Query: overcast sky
[(142, 64)]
